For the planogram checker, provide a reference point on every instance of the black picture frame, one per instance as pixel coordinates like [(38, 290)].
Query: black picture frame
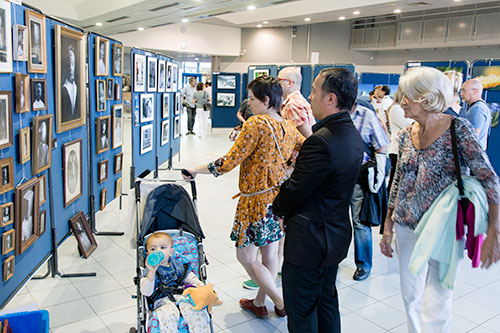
[(225, 81)]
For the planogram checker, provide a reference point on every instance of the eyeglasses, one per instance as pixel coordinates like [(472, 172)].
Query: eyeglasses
[(282, 79)]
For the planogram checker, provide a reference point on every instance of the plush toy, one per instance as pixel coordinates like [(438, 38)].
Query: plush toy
[(203, 296)]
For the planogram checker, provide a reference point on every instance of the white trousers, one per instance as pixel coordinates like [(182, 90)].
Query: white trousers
[(202, 121), (428, 305)]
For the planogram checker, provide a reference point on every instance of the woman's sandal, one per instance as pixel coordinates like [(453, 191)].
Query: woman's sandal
[(259, 311), (280, 313)]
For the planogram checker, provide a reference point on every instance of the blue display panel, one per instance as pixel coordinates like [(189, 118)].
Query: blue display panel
[(226, 89), (367, 81), (459, 66), (306, 72), (318, 68), (271, 70)]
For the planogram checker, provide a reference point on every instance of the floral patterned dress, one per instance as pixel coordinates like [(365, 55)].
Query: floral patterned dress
[(262, 171)]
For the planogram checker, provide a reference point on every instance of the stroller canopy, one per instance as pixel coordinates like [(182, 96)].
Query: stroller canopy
[(169, 206)]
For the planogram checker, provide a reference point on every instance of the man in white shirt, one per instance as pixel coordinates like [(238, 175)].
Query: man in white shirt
[(383, 93), (187, 95)]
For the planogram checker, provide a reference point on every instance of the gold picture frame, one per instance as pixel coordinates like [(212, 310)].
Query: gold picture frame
[(27, 214), (42, 187), (8, 268), (100, 94), (6, 175), (6, 214), (37, 42), (42, 143), (24, 145), (8, 241), (6, 139), (103, 199), (22, 93), (102, 134), (118, 188), (117, 59), (101, 47)]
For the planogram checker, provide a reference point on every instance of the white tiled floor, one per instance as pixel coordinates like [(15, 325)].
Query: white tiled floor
[(104, 303)]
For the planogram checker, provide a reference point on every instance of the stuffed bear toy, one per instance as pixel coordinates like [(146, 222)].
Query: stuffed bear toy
[(203, 296)]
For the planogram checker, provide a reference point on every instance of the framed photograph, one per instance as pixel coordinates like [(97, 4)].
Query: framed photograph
[(102, 171), (152, 73), (5, 119), (169, 76), (101, 47), (24, 145), (83, 234), (178, 97), (117, 125), (165, 105), (226, 81), (259, 72), (37, 42), (100, 90), (103, 199), (175, 74), (226, 100), (72, 171), (7, 167), (165, 132), (118, 187), (102, 134), (5, 38), (139, 72), (118, 92), (146, 138), (42, 220), (8, 241), (118, 163), (147, 107), (110, 86), (22, 93), (8, 267), (161, 75), (38, 94), (43, 189), (42, 144), (26, 217), (177, 128), (70, 85), (6, 214), (117, 59), (20, 42)]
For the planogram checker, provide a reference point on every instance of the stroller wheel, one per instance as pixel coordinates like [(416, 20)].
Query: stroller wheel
[(133, 330)]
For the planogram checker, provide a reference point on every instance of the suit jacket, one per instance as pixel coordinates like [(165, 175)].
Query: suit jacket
[(315, 200)]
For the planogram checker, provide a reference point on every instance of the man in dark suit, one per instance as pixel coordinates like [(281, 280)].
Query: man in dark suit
[(315, 205)]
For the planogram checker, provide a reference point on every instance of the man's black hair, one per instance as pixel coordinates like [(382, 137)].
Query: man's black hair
[(343, 84)]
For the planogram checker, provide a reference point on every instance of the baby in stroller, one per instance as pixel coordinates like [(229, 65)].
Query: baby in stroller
[(161, 283)]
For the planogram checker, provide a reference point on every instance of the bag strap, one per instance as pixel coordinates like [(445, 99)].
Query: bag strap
[(460, 182), (278, 146)]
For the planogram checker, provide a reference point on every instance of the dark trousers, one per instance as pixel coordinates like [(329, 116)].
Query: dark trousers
[(311, 299), (191, 115)]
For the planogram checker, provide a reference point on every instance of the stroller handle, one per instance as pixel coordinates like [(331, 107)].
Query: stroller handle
[(191, 181)]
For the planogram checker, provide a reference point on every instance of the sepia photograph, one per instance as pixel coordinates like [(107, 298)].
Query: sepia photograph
[(177, 128), (117, 125), (26, 216), (72, 171), (226, 100), (7, 170), (20, 42), (102, 134), (117, 59), (152, 73), (100, 94), (161, 75), (42, 221), (5, 38), (22, 93), (147, 107), (42, 144), (103, 198), (165, 132), (102, 171), (37, 42), (6, 214), (110, 86), (101, 46), (38, 94), (24, 145), (139, 73), (8, 241), (8, 268), (169, 76), (43, 189), (118, 92), (118, 187), (70, 78), (226, 81), (146, 138), (118, 163), (83, 234), (6, 139), (165, 110)]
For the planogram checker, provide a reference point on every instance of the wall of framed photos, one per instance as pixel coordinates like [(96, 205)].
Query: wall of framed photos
[(226, 88)]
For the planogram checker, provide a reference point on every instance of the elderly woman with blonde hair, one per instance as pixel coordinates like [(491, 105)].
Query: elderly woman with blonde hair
[(456, 80), (425, 168)]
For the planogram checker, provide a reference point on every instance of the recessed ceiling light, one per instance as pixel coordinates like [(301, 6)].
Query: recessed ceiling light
[(251, 7), (140, 28), (184, 20), (341, 18), (457, 0), (99, 24), (397, 11), (307, 19), (259, 25), (356, 12), (265, 22)]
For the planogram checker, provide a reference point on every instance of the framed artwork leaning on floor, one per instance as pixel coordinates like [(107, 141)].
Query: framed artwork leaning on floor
[(83, 234)]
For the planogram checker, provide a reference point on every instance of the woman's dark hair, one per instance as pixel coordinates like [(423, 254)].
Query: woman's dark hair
[(266, 85), (200, 86), (343, 84)]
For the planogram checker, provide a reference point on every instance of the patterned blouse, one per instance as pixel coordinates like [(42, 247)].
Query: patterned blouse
[(422, 174), (261, 170)]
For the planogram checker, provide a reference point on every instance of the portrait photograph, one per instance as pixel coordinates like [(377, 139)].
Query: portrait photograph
[(8, 241), (101, 46), (226, 100), (175, 74), (7, 170), (118, 187), (178, 97), (5, 38), (22, 93), (165, 105), (6, 139), (102, 134), (100, 90), (102, 171), (118, 163), (20, 42), (165, 132), (83, 234), (38, 94), (42, 187), (146, 138), (8, 268), (24, 145), (139, 72), (103, 199), (117, 59), (259, 72), (117, 125), (72, 171), (110, 86), (161, 75), (37, 42), (177, 128), (226, 81), (6, 214), (70, 85), (169, 76), (118, 91), (26, 219), (147, 107), (152, 71), (42, 221), (42, 144)]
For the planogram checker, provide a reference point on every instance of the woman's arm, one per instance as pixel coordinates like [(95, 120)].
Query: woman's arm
[(239, 116), (490, 251), (386, 241)]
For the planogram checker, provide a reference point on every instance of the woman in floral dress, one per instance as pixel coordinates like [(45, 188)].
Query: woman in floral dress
[(262, 150)]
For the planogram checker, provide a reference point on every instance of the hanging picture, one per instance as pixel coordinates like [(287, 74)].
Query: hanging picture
[(24, 145), (8, 268), (20, 42), (110, 86), (6, 214), (177, 128), (146, 138), (83, 234), (147, 107), (42, 144), (152, 73), (37, 42), (260, 72), (43, 189), (226, 82), (5, 119), (38, 94), (26, 220), (5, 38), (118, 92), (72, 171), (178, 97), (22, 93), (70, 85), (169, 76), (102, 134), (100, 94), (165, 126), (118, 163), (117, 125), (118, 187), (117, 59), (101, 56), (102, 171), (103, 199), (175, 74), (161, 75), (227, 100), (165, 105), (8, 241), (42, 221), (139, 72), (7, 169)]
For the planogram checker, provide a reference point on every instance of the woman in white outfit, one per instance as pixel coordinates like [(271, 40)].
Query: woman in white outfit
[(200, 98)]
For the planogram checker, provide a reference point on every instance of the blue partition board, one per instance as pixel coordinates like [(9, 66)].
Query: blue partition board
[(273, 71), (318, 68), (463, 65), (367, 81), (110, 183), (244, 83), (225, 116), (306, 72), (34, 256)]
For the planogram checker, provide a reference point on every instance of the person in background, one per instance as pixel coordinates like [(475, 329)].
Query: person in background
[(244, 112), (188, 102), (456, 80), (200, 97), (383, 93), (478, 113)]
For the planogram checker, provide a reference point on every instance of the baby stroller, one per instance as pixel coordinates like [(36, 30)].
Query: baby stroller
[(168, 208)]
